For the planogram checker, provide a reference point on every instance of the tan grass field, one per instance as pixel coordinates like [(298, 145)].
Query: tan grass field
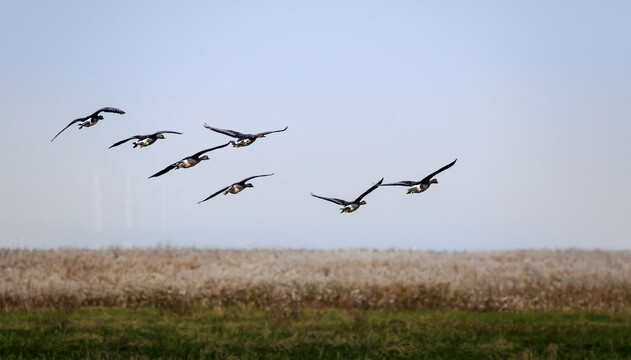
[(183, 279)]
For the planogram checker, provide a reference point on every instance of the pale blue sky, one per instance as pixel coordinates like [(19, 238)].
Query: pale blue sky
[(532, 97)]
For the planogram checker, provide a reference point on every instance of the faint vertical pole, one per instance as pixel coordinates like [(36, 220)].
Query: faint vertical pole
[(163, 198), (98, 214), (128, 202)]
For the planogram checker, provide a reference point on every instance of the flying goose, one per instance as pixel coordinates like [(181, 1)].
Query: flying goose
[(188, 161), (350, 206), (236, 187), (90, 120), (146, 140), (420, 186), (242, 139)]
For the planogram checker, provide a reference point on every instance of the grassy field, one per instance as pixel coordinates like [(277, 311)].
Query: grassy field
[(179, 279), (242, 333), (298, 304)]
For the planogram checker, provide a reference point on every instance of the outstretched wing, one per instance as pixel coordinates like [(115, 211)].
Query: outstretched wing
[(215, 194), (402, 183), (368, 191), (252, 177), (165, 132), (108, 109), (333, 200), (430, 176), (72, 122), (164, 171), (269, 132), (211, 149), (139, 137), (232, 133)]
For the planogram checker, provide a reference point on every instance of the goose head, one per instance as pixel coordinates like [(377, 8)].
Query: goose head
[(205, 157), (160, 136)]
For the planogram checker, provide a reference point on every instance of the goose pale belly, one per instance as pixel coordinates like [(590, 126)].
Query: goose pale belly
[(350, 208), (187, 163), (145, 142)]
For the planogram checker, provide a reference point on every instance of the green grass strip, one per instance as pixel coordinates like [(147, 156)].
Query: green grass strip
[(237, 333)]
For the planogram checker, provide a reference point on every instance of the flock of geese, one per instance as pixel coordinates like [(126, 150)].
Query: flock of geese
[(242, 140)]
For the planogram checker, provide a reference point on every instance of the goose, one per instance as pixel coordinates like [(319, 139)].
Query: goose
[(420, 186), (146, 140), (188, 161), (235, 188), (350, 206), (90, 120), (242, 139)]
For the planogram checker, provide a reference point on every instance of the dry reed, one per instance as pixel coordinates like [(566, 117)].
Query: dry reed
[(184, 279)]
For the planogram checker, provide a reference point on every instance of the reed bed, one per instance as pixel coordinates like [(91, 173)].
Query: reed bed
[(185, 279)]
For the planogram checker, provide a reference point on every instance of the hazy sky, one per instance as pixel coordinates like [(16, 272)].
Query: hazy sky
[(532, 97)]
